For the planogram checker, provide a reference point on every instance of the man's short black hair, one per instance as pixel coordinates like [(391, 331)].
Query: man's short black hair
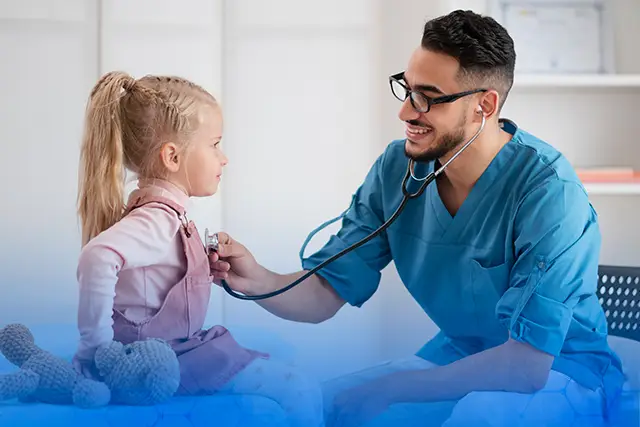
[(483, 48)]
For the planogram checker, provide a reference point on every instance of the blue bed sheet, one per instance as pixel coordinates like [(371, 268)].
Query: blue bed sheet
[(219, 410)]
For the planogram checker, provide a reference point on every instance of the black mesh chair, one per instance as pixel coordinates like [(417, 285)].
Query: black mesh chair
[(619, 295)]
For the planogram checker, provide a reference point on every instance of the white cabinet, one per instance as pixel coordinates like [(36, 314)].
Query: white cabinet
[(593, 120)]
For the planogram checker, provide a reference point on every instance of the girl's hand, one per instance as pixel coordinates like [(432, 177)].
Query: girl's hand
[(86, 368)]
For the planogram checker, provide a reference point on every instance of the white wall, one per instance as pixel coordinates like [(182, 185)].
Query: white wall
[(48, 67), (305, 94), (301, 91)]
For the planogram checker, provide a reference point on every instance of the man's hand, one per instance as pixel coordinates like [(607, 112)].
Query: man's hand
[(358, 405), (512, 367), (311, 301), (236, 265)]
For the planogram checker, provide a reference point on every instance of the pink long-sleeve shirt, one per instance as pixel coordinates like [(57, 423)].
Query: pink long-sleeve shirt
[(130, 266)]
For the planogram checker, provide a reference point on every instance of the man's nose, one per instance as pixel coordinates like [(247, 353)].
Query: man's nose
[(407, 112)]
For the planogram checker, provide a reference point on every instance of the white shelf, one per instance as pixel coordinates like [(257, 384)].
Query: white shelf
[(616, 188), (576, 80)]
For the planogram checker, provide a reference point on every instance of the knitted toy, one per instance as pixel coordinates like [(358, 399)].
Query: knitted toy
[(42, 376), (141, 373)]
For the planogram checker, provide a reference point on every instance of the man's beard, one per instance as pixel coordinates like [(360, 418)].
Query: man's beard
[(444, 145)]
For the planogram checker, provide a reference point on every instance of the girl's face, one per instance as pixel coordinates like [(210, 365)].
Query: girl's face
[(205, 161)]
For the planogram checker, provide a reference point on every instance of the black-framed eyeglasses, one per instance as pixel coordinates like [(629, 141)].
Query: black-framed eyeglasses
[(421, 102)]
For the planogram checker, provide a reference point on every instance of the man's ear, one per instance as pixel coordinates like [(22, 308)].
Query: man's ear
[(170, 156), (490, 103)]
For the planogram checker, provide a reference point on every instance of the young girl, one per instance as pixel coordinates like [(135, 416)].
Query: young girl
[(143, 270)]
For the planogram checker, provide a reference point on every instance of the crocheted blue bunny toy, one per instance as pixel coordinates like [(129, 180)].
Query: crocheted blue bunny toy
[(44, 377), (144, 372)]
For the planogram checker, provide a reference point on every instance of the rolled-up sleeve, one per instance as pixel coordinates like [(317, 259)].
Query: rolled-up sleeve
[(556, 246), (356, 275)]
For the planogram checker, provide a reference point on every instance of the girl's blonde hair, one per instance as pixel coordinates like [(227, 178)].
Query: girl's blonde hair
[(127, 122)]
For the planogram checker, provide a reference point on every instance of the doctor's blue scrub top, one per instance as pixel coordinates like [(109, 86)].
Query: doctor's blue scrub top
[(519, 258)]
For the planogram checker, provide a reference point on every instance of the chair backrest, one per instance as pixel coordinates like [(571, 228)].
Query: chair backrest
[(619, 295)]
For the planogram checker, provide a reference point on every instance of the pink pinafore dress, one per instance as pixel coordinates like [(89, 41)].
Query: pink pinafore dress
[(208, 358)]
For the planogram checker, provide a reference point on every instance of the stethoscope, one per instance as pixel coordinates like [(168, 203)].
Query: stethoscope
[(211, 241)]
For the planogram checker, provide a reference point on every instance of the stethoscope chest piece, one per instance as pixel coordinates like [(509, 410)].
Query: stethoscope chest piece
[(210, 241)]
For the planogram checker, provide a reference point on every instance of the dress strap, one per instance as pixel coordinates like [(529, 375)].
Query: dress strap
[(176, 207)]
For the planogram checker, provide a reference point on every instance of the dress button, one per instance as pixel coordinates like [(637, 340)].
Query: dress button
[(541, 265)]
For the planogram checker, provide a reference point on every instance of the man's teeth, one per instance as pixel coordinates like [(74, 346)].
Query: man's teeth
[(420, 130)]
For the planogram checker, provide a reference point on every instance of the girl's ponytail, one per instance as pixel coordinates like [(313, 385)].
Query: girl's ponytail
[(101, 173)]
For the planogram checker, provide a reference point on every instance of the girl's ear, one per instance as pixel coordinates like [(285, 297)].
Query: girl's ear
[(169, 156)]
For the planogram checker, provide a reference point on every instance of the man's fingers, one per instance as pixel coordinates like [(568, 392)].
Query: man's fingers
[(220, 266), (216, 264), (230, 250), (227, 247), (224, 238), (219, 277)]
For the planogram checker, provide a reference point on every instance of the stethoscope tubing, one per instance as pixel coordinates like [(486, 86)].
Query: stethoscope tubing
[(407, 196)]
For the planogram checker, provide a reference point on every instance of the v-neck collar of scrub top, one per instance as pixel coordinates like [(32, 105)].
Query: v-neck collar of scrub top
[(451, 224)]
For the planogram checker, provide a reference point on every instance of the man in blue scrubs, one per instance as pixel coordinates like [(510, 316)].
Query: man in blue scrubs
[(501, 252)]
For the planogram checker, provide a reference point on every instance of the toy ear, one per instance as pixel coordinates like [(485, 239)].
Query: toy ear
[(107, 357), (17, 343)]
